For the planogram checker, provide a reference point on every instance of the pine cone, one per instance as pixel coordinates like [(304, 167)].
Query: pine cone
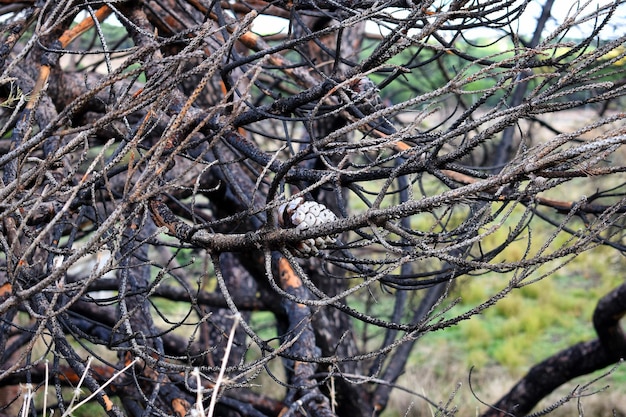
[(301, 215)]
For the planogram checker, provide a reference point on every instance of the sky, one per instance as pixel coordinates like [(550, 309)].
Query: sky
[(560, 11)]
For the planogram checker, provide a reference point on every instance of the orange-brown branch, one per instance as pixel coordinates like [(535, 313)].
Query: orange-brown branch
[(66, 38)]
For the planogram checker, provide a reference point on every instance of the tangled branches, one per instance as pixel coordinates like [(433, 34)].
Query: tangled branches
[(170, 169)]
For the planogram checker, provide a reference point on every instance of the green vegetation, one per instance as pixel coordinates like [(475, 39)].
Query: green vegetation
[(416, 59), (531, 324)]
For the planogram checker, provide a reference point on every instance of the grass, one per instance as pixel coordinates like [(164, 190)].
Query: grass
[(529, 325)]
